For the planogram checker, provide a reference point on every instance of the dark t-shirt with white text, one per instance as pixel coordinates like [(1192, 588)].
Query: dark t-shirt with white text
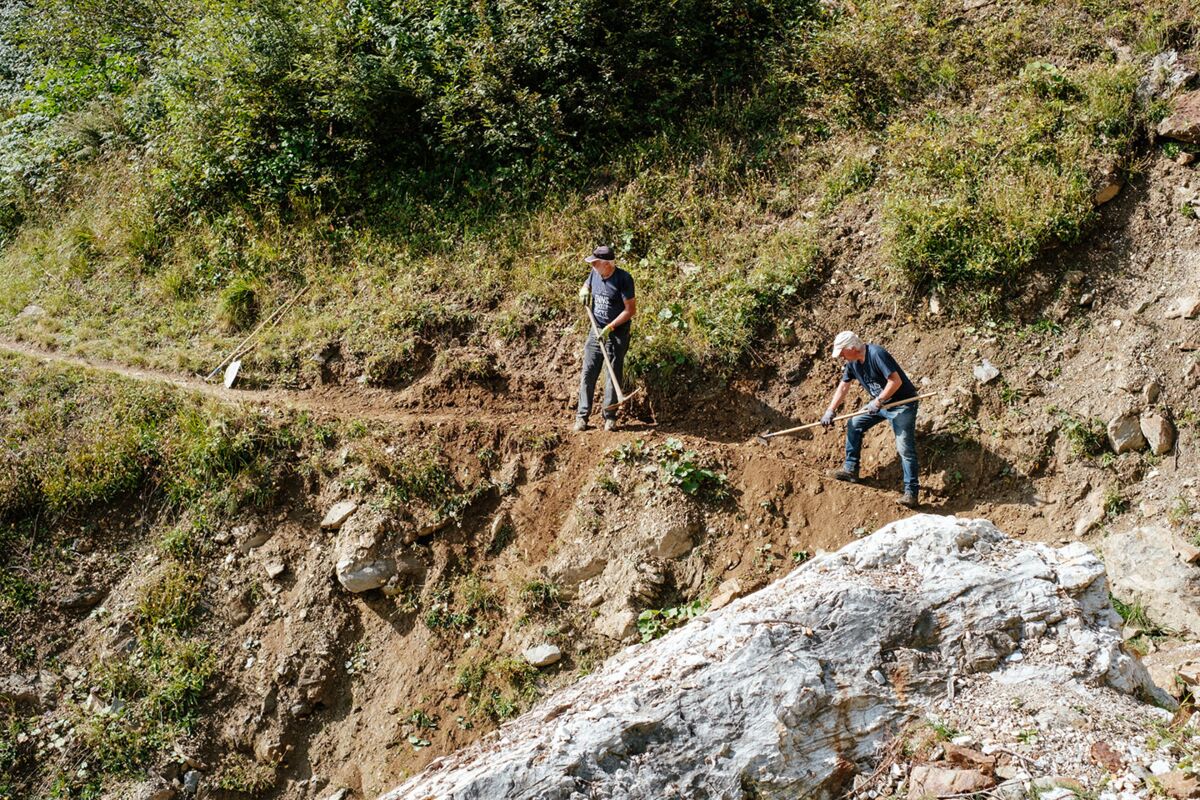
[(609, 296)]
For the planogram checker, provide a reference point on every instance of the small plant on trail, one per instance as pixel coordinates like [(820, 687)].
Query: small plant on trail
[(1115, 502), (1087, 437), (681, 468), (678, 467), (606, 483), (944, 731), (1009, 395), (541, 596), (654, 623)]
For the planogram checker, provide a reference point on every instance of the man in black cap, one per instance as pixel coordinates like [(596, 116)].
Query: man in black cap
[(609, 291)]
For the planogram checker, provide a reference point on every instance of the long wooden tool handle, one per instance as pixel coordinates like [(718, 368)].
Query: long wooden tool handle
[(861, 411), (268, 321), (612, 376)]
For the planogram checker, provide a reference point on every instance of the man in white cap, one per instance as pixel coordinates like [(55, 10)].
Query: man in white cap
[(609, 291), (885, 381)]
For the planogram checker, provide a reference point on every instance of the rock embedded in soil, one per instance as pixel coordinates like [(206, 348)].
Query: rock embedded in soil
[(543, 655), (795, 688), (1144, 569), (1184, 121), (1184, 308), (1108, 192), (1158, 432), (928, 781), (1179, 785), (363, 575), (84, 597), (250, 536), (986, 372), (337, 514), (1125, 434)]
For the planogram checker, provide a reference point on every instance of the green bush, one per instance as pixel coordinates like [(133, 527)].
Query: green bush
[(239, 305), (980, 194)]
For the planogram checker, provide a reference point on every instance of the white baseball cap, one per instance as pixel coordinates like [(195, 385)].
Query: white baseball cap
[(844, 340)]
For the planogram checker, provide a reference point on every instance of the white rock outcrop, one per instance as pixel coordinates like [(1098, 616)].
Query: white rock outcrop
[(792, 690)]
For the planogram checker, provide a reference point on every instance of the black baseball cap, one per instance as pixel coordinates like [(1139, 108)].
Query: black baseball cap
[(602, 253)]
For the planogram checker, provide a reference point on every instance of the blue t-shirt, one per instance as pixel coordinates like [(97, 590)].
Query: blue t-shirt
[(872, 372), (609, 295)]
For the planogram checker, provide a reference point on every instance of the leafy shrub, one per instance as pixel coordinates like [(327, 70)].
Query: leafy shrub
[(1087, 437), (680, 467), (654, 623), (541, 596)]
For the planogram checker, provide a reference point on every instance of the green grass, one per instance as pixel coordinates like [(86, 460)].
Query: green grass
[(465, 605), (171, 603), (75, 441), (541, 597), (985, 189), (981, 141), (499, 687), (245, 777)]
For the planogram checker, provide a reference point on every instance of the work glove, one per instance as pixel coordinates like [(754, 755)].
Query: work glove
[(874, 406), (827, 419), (604, 332), (584, 294)]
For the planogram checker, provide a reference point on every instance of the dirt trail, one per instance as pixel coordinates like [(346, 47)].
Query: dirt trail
[(333, 401)]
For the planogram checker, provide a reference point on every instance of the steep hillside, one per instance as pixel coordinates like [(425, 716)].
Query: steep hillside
[(342, 568)]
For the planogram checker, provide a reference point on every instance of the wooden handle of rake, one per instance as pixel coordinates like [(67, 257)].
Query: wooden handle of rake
[(860, 412), (269, 321)]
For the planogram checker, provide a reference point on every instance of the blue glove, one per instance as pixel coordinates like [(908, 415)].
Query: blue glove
[(874, 405), (827, 419)]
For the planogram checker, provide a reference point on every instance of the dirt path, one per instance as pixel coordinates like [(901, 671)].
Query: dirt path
[(329, 401)]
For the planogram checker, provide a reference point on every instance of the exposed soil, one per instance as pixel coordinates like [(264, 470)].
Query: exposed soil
[(991, 450)]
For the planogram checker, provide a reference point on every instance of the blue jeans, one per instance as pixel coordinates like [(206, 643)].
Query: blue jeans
[(904, 425), (593, 365)]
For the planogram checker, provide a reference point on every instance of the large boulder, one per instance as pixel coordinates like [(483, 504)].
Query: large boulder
[(1146, 570), (792, 690)]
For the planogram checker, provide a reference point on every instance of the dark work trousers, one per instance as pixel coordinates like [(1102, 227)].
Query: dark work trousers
[(593, 365), (904, 425)]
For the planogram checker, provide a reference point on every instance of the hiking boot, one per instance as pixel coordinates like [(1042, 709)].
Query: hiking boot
[(580, 425), (610, 424), (908, 499), (843, 474)]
